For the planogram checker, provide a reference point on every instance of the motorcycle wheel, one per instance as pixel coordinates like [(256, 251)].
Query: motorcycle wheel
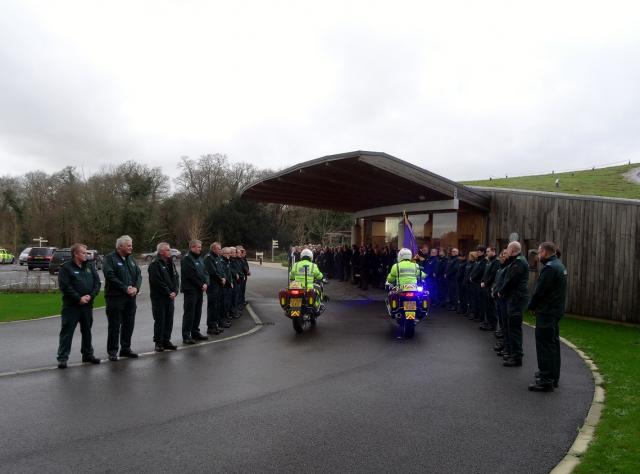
[(409, 329), (298, 326)]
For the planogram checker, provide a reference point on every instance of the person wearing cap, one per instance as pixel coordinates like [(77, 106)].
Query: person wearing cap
[(514, 290), (451, 277), (547, 303), (405, 271)]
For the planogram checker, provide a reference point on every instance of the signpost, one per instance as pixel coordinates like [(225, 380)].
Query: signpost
[(40, 240), (259, 257), (274, 245)]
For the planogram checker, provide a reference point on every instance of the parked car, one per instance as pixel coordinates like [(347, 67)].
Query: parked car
[(6, 256), (175, 254), (94, 256), (59, 257), (24, 255), (40, 257)]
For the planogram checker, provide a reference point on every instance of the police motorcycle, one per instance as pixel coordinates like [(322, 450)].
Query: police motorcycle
[(303, 305), (407, 304)]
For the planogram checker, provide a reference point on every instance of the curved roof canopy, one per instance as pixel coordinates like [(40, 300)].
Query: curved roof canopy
[(359, 180)]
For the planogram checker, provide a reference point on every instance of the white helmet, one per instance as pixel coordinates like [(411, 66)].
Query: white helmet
[(404, 254), (306, 253)]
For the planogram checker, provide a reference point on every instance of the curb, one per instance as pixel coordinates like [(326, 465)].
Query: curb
[(587, 431), (258, 325)]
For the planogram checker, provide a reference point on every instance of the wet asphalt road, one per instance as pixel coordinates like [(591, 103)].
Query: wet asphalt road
[(346, 397)]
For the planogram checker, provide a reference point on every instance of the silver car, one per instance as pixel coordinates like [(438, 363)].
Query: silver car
[(23, 256)]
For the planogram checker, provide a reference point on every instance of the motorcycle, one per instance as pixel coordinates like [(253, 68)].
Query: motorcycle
[(303, 306), (408, 305)]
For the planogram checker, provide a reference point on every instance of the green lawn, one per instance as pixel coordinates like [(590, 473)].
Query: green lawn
[(616, 351), (17, 306), (600, 182)]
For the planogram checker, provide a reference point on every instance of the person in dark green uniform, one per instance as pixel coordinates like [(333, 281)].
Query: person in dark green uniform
[(547, 303), (194, 284), (238, 276), (217, 279), (514, 291), (164, 284), (501, 346), (79, 283), (122, 281), (475, 278), (227, 291), (490, 321)]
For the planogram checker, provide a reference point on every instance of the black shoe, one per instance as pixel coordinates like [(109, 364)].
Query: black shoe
[(129, 354), (169, 346), (471, 316), (113, 357), (90, 359), (498, 334), (188, 341), (214, 331), (159, 347), (540, 387), (498, 348), (511, 362), (482, 327), (226, 324), (199, 337), (62, 364), (556, 384)]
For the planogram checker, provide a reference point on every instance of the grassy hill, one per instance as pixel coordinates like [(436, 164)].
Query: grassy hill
[(599, 182)]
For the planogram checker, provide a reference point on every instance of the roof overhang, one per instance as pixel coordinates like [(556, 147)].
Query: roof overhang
[(361, 182)]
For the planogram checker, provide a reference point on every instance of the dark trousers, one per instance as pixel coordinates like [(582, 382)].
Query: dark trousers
[(548, 347), (192, 313), (214, 306), (463, 299), (71, 316), (442, 290), (515, 308), (452, 297), (121, 317), (227, 293), (235, 298), (364, 279), (489, 307), (500, 312), (243, 291), (162, 310)]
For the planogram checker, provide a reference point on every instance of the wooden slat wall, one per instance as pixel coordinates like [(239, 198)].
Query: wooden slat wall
[(600, 243)]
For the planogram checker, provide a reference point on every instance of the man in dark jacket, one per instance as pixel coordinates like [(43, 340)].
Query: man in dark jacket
[(462, 299), (477, 272), (501, 346), (246, 273), (79, 283), (547, 302), (122, 281), (164, 284), (238, 277), (513, 289), (489, 276), (217, 280), (451, 277), (227, 291), (194, 284)]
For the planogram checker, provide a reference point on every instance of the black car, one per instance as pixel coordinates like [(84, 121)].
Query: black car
[(59, 257), (95, 257), (40, 257)]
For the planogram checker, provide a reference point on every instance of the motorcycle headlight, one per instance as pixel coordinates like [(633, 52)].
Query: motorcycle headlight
[(420, 288)]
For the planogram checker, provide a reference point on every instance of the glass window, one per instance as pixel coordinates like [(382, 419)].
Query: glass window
[(445, 229), (391, 229)]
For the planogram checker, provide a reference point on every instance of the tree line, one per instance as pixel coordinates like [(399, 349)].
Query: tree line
[(135, 199)]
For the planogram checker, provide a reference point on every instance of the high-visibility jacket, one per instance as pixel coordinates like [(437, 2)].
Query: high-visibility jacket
[(298, 273), (405, 273)]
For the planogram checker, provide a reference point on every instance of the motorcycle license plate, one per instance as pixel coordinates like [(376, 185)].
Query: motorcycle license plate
[(410, 305), (410, 315), (295, 302)]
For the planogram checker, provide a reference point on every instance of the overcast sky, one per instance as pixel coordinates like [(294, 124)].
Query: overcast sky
[(464, 89)]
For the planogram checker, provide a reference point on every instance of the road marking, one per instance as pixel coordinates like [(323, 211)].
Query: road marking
[(256, 328)]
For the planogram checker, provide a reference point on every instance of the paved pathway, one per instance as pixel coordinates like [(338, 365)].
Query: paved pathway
[(345, 397)]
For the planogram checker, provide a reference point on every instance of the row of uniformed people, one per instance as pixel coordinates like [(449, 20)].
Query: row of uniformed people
[(222, 274)]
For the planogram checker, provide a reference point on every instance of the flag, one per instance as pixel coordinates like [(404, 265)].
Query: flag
[(409, 238)]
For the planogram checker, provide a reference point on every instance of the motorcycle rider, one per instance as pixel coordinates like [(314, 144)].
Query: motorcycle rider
[(405, 271), (306, 273)]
